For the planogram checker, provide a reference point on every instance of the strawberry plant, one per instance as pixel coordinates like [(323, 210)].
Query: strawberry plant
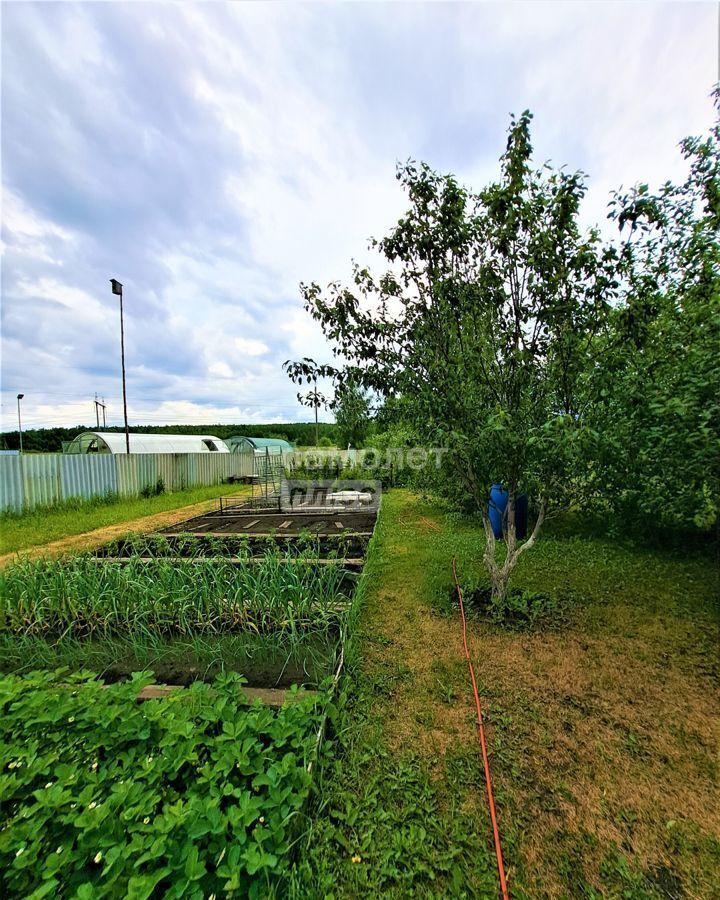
[(193, 795)]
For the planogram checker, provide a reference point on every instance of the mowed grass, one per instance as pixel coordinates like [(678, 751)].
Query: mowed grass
[(20, 531), (602, 723)]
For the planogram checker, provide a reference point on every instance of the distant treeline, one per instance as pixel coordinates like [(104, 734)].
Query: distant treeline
[(50, 440)]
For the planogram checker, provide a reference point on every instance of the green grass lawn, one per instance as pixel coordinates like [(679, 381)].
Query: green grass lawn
[(41, 526), (602, 726)]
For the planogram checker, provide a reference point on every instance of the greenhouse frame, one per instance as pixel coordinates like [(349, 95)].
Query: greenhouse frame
[(240, 444), (114, 442)]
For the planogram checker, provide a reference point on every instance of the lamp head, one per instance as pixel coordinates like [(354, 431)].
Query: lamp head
[(116, 286), (20, 396)]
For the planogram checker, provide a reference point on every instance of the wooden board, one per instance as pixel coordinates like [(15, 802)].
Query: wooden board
[(351, 563), (261, 534), (274, 697)]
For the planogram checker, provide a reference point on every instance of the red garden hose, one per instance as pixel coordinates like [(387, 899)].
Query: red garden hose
[(481, 731)]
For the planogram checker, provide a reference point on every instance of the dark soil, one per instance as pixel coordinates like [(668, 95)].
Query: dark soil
[(257, 675), (252, 522)]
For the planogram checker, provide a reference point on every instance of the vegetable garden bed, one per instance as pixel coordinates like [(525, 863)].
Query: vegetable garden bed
[(347, 546), (192, 795), (269, 605), (283, 524), (273, 620), (193, 792)]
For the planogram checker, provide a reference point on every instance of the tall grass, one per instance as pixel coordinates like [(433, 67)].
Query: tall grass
[(87, 598)]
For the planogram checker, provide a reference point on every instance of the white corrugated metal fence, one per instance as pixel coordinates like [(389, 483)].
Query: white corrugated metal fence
[(43, 479)]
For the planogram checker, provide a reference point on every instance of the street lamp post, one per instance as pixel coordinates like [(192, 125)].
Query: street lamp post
[(19, 398), (117, 289), (317, 430)]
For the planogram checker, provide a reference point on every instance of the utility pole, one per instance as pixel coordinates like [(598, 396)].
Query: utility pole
[(99, 405), (117, 289)]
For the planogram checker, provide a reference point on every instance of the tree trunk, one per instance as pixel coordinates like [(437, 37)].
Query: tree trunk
[(499, 585), (500, 573)]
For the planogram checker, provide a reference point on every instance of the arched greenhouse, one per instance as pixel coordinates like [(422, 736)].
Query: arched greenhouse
[(114, 442), (241, 444)]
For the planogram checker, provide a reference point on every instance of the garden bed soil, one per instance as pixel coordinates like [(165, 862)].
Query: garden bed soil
[(258, 675), (238, 521)]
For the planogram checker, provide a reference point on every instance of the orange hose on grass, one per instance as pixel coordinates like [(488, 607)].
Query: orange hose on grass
[(481, 731)]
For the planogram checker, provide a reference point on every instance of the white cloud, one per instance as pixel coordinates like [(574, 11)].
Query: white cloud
[(222, 153), (29, 234), (250, 346), (84, 307), (221, 369)]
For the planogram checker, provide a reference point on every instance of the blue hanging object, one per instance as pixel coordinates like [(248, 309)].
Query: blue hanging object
[(497, 510)]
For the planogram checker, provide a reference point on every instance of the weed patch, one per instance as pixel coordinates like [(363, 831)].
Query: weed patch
[(520, 608)]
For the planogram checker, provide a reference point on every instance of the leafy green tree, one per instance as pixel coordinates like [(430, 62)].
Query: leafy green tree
[(657, 399), (351, 406), (482, 324)]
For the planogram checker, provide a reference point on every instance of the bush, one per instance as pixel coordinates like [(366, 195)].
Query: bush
[(153, 490)]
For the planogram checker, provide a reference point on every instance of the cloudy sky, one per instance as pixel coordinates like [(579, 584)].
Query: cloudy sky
[(212, 156)]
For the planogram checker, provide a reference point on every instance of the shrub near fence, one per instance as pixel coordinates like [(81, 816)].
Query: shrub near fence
[(44, 479)]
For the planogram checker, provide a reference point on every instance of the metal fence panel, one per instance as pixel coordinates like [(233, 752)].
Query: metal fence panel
[(41, 479), (181, 469), (241, 464), (12, 494), (200, 469), (135, 472), (87, 476), (172, 468), (213, 468)]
